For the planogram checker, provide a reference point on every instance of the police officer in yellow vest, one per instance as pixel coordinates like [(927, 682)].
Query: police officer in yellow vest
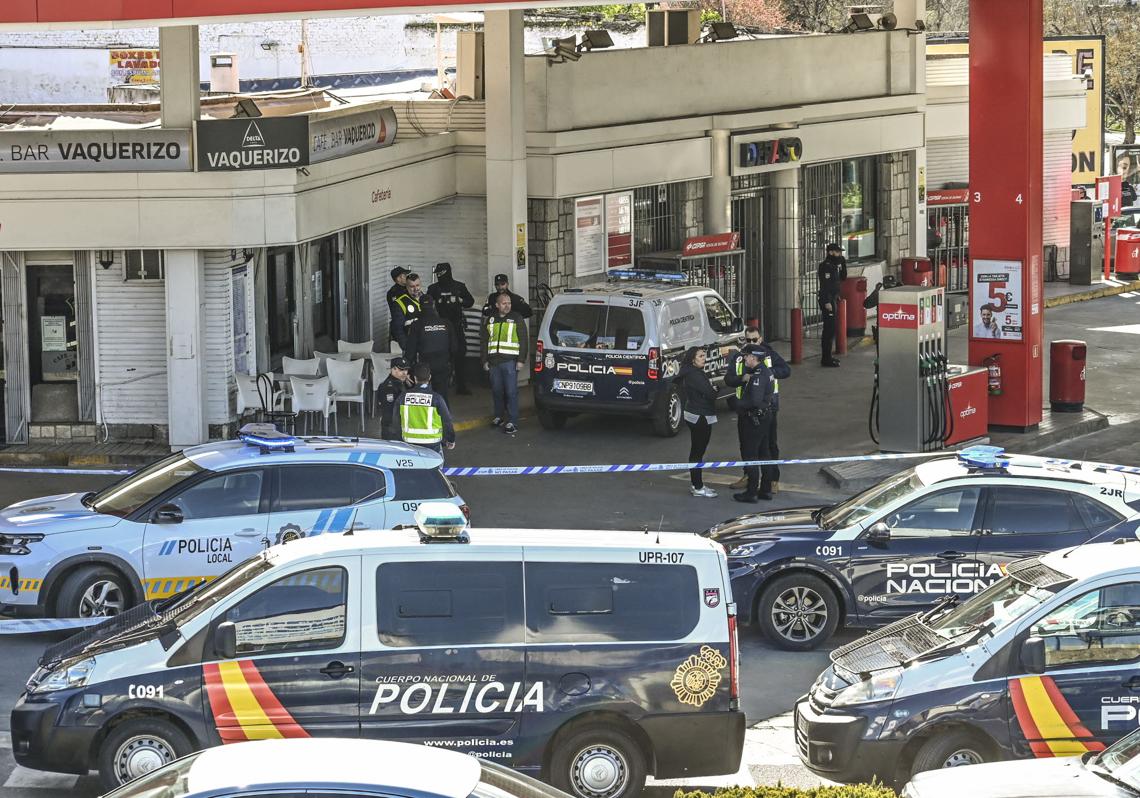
[(504, 351), (407, 308), (422, 414), (737, 376)]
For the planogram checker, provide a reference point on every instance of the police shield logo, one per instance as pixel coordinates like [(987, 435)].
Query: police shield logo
[(712, 597), (696, 679)]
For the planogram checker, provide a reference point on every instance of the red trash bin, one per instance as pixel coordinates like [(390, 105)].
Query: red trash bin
[(1067, 376), (854, 290), (1127, 252), (917, 271)]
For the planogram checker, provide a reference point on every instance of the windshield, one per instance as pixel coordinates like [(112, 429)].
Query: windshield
[(124, 497), (196, 601), (168, 782), (1122, 761), (860, 507), (998, 605)]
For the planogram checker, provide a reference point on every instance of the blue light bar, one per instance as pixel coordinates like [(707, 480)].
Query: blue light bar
[(986, 457), (266, 437), (647, 274)]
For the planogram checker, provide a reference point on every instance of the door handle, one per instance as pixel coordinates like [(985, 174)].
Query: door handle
[(248, 532), (337, 669), (952, 555), (1133, 683)]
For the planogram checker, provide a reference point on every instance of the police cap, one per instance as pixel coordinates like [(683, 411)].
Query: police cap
[(399, 271), (833, 247), (752, 349), (399, 363), (500, 278)]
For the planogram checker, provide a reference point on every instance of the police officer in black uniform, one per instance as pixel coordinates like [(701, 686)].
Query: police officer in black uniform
[(518, 304), (451, 297), (832, 272), (399, 277), (389, 392), (753, 420), (432, 340)]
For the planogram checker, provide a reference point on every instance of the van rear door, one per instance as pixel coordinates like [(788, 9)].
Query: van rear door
[(599, 349)]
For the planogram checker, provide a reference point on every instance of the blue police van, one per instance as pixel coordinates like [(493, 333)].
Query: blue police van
[(590, 659), (947, 527)]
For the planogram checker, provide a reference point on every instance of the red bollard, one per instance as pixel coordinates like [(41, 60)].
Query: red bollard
[(841, 327), (797, 336)]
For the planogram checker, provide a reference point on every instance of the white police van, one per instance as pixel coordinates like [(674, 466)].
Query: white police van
[(196, 514), (590, 659)]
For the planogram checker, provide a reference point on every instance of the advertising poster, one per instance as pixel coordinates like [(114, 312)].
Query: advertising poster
[(134, 66), (619, 230), (589, 236), (996, 312)]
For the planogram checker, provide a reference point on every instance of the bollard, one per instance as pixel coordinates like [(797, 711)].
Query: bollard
[(841, 327), (797, 336)]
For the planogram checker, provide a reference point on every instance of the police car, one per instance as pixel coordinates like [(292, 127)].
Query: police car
[(195, 514), (616, 347), (331, 767), (948, 526), (1045, 663), (590, 659)]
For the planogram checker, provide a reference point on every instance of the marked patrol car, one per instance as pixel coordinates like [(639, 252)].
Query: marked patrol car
[(589, 659), (948, 526), (1044, 663), (616, 347), (195, 514)]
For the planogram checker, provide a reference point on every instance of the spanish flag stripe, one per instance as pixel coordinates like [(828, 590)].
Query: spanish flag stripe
[(1025, 719), (224, 721), (1077, 728), (278, 715), (248, 712), (1050, 720)]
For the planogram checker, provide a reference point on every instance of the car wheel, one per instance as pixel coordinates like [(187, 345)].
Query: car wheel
[(551, 419), (93, 591), (798, 612), (598, 762), (137, 747), (949, 751), (668, 414)]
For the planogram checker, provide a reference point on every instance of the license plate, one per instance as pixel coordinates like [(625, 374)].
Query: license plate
[(574, 386)]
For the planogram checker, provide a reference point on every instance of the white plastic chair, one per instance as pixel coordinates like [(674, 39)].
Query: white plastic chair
[(347, 381), (312, 396), (360, 350), (395, 348), (324, 357), (306, 368), (249, 398)]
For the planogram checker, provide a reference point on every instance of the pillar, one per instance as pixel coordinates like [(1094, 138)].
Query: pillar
[(786, 261), (718, 188), (504, 92), (179, 78), (186, 347), (919, 220)]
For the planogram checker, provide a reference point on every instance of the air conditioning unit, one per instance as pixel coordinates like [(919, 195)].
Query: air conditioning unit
[(469, 64), (666, 26), (224, 73)]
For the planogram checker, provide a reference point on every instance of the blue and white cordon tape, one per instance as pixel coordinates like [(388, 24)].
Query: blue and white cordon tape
[(31, 626)]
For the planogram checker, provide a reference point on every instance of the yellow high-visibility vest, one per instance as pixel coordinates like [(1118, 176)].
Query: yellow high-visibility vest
[(420, 422), (502, 336)]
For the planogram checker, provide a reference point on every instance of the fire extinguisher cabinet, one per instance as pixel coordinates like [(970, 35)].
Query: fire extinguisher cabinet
[(854, 290), (1127, 255), (917, 271), (1067, 376)]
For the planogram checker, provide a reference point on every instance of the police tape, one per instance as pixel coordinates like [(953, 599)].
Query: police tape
[(32, 626)]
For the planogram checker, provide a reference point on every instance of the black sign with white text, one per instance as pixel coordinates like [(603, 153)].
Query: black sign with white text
[(228, 145)]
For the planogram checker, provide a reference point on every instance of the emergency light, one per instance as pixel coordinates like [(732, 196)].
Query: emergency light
[(647, 274), (440, 522), (990, 458), (267, 438)]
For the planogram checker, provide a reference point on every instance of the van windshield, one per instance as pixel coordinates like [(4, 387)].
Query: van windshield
[(123, 498), (863, 505), (197, 600), (997, 606), (594, 325)]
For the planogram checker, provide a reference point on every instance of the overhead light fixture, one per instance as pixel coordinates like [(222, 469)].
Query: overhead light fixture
[(563, 50), (919, 25), (106, 258), (595, 40), (888, 21), (721, 31), (246, 108), (859, 22)]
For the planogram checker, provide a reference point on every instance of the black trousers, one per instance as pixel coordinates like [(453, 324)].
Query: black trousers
[(773, 449), (459, 370), (828, 341), (754, 446), (440, 376), (699, 435)]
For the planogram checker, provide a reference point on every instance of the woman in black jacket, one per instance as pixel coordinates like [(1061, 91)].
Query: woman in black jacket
[(700, 413)]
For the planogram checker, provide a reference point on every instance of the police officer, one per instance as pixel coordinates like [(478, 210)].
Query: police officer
[(503, 350), (407, 308), (397, 289), (734, 377), (389, 393), (451, 297), (432, 340), (422, 414), (780, 369), (518, 304), (752, 423), (832, 272)]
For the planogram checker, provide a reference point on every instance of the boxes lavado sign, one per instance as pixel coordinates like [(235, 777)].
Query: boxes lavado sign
[(106, 150)]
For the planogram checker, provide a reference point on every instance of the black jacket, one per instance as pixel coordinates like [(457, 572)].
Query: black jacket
[(431, 339), (518, 305), (757, 396), (831, 276), (391, 391), (698, 391), (451, 297)]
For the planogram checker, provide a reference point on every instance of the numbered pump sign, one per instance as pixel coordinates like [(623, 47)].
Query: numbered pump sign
[(997, 300)]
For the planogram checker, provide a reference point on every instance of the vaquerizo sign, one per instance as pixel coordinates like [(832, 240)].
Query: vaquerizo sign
[(95, 151), (227, 145)]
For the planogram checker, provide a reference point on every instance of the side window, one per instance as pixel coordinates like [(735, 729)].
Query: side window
[(222, 496), (596, 602), (1102, 626), (720, 317), (301, 612), (1097, 517), (449, 603), (577, 325), (1032, 510), (947, 513), (681, 322), (418, 484), (317, 487)]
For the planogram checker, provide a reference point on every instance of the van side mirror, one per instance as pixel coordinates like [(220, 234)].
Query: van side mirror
[(738, 325), (879, 533), (225, 640), (168, 514), (1033, 655)]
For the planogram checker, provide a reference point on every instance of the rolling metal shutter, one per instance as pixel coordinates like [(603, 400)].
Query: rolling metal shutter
[(947, 161), (17, 404), (85, 334), (1056, 182), (219, 335)]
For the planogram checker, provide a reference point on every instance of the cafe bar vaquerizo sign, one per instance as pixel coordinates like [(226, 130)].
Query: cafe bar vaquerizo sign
[(97, 150)]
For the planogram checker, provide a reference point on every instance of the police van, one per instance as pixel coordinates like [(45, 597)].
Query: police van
[(1044, 663), (948, 526), (590, 659), (616, 347), (194, 515)]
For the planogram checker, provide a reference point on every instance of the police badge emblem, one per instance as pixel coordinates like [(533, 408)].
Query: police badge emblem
[(696, 679), (712, 597)]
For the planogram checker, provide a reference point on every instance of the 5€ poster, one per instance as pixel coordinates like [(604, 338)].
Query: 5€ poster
[(997, 303)]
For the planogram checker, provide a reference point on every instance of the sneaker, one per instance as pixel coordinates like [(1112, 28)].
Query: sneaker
[(510, 428), (496, 422), (740, 483), (705, 492), (746, 498), (833, 363)]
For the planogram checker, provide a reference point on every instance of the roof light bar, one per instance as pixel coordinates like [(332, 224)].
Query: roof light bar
[(984, 457), (440, 522), (647, 274), (267, 438)]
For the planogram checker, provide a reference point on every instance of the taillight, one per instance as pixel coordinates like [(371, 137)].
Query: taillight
[(463, 508), (733, 659), (538, 357), (654, 362)]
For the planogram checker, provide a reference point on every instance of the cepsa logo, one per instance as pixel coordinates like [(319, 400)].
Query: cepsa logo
[(595, 368), (902, 317)]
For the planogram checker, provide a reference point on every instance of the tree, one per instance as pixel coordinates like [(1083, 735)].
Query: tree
[(764, 14), (948, 16), (816, 15)]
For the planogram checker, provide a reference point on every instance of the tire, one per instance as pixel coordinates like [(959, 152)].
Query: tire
[(551, 419), (667, 414), (91, 591), (137, 747), (598, 762), (949, 750), (785, 624)]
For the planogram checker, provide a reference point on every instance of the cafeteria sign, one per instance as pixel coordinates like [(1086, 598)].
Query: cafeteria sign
[(134, 66)]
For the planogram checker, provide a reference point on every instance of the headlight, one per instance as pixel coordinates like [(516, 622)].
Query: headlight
[(880, 687), (17, 544), (74, 675), (751, 549)]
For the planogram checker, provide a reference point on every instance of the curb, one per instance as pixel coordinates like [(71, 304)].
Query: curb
[(1095, 293)]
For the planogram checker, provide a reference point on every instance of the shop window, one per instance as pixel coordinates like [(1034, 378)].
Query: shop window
[(144, 264), (859, 202)]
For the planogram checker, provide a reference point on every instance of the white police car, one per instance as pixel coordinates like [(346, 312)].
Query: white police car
[(196, 514), (336, 766)]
